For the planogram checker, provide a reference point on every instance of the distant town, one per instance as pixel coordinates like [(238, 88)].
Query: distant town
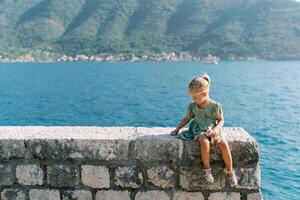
[(172, 57)]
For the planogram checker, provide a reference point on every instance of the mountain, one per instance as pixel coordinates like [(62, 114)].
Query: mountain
[(268, 29)]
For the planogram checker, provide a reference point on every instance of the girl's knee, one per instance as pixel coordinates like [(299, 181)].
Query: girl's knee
[(223, 144), (203, 140)]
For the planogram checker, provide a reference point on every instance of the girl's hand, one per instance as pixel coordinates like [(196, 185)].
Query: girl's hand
[(215, 136), (174, 132), (216, 131)]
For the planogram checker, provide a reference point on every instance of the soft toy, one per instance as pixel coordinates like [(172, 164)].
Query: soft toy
[(212, 135)]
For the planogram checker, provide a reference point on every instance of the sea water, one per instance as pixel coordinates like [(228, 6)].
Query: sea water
[(262, 97)]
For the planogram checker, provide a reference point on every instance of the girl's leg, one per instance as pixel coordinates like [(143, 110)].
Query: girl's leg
[(226, 154), (204, 150), (225, 151)]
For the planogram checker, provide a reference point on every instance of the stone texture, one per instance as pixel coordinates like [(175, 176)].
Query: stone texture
[(6, 175), (112, 194), (63, 175), (192, 179), (157, 145), (13, 194), (67, 132), (80, 143), (254, 196), (95, 176), (29, 174), (188, 196), (11, 149), (248, 178), (161, 176), (20, 133), (191, 153), (112, 143), (244, 148), (77, 195), (224, 196), (45, 194), (152, 195), (128, 177), (148, 152), (85, 150)]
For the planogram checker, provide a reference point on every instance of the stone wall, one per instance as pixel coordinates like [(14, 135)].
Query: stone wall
[(104, 163)]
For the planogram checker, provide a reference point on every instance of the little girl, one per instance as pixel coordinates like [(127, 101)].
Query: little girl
[(206, 126)]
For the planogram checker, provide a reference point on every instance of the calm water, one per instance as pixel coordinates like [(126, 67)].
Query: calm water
[(262, 97)]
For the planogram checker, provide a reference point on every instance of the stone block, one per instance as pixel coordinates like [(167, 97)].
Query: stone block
[(77, 195), (12, 149), (248, 178), (6, 175), (112, 194), (29, 174), (224, 196), (95, 176), (191, 153), (157, 145), (84, 150), (188, 196), (80, 143), (128, 177), (244, 148), (63, 175), (151, 195), (13, 194), (192, 179), (254, 196), (161, 176), (70, 132), (44, 194)]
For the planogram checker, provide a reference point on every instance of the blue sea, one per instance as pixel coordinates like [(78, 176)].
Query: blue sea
[(262, 97)]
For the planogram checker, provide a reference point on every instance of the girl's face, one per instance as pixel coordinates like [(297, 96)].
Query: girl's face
[(199, 97)]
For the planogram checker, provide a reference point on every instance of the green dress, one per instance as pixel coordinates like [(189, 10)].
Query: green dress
[(201, 119)]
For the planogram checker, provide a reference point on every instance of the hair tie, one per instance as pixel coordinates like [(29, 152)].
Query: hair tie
[(206, 78)]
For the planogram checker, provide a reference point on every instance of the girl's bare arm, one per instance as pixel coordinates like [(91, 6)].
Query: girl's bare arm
[(183, 122), (219, 125)]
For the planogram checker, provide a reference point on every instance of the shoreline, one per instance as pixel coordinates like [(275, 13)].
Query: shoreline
[(128, 61), (162, 57), (119, 58)]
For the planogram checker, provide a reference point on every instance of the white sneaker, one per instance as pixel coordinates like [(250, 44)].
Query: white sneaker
[(231, 177), (208, 176)]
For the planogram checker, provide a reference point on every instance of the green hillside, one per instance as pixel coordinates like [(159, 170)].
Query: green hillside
[(268, 29)]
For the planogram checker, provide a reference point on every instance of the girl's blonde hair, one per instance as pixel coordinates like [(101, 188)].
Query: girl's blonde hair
[(199, 83)]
